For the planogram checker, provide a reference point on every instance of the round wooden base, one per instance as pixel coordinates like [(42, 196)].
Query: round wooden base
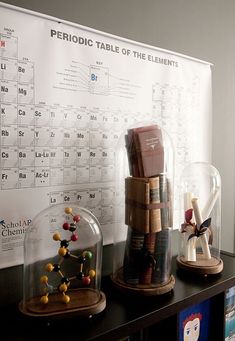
[(201, 266), (83, 302), (141, 289)]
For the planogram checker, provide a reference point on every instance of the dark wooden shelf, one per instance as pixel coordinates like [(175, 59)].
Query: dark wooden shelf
[(124, 314)]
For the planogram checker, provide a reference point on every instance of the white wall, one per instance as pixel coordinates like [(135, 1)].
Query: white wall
[(201, 28)]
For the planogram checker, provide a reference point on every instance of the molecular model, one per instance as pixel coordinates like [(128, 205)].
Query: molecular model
[(84, 276)]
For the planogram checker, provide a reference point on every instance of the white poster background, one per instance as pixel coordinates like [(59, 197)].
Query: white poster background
[(67, 93)]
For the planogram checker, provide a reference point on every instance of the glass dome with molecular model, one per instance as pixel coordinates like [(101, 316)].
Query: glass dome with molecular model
[(62, 263)]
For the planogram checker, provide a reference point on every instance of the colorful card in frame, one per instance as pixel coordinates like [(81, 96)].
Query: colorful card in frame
[(194, 322), (229, 308)]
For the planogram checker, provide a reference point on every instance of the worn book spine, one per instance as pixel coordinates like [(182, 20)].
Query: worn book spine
[(138, 154), (137, 196), (155, 213), (164, 199), (132, 154), (129, 156), (162, 256), (147, 262), (132, 257)]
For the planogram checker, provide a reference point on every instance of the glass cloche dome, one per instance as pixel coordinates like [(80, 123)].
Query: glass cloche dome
[(200, 230), (144, 211), (62, 263)]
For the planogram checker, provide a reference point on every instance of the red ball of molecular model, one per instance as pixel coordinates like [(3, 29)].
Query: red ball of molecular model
[(84, 276)]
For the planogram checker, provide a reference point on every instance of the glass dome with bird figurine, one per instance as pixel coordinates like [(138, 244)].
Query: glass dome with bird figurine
[(200, 209)]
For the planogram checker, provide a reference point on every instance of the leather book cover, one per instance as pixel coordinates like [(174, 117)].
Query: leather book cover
[(132, 154), (164, 198), (148, 261), (155, 213), (133, 250), (162, 255), (150, 151), (140, 193), (137, 196)]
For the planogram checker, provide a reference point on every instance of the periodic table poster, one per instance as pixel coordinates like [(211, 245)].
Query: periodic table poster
[(67, 94)]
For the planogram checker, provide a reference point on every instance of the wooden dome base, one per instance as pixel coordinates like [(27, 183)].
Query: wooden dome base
[(141, 289), (201, 266), (83, 302)]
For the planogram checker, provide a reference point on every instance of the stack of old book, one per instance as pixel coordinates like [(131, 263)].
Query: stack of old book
[(147, 208)]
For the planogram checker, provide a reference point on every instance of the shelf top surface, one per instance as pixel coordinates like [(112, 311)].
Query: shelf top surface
[(125, 314)]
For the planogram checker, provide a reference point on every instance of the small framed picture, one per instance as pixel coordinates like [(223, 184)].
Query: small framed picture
[(229, 309), (194, 322)]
